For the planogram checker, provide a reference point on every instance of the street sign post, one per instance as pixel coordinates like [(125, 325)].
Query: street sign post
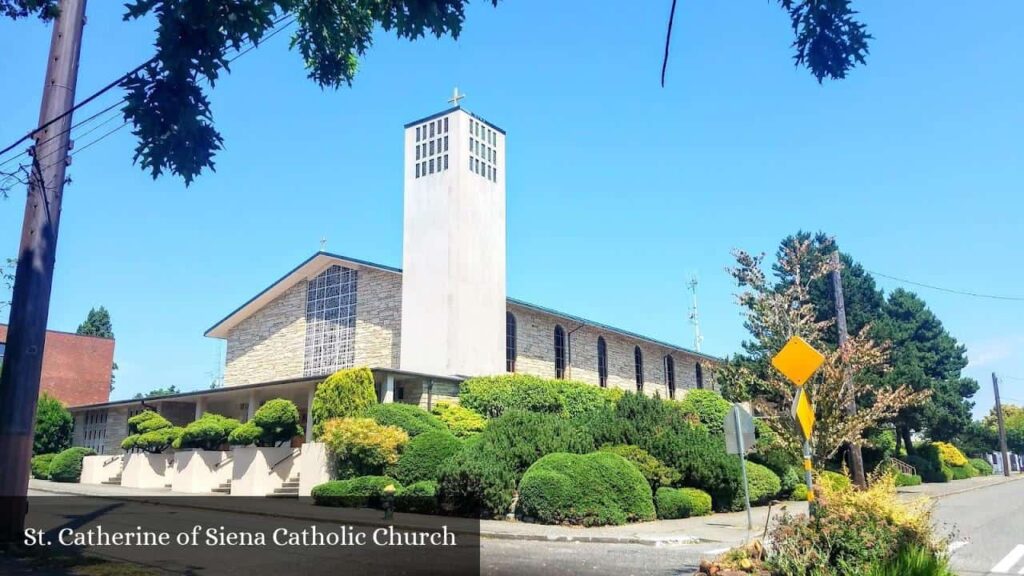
[(798, 361), (739, 438)]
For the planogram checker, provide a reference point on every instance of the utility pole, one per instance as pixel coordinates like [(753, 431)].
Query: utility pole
[(1002, 429), (856, 458), (30, 305)]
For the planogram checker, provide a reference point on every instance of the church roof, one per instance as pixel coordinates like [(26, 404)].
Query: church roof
[(321, 260)]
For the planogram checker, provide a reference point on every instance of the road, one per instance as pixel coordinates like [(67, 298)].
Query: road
[(986, 529)]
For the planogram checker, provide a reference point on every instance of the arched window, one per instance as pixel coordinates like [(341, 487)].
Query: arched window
[(670, 376), (700, 376), (559, 352), (510, 342), (638, 362), (602, 362)]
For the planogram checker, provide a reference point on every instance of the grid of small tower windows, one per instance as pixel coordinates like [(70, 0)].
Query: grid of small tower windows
[(432, 147), (483, 155)]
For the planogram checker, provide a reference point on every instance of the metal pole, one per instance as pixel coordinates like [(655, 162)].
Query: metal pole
[(19, 381), (808, 478), (1002, 429), (856, 457), (743, 465)]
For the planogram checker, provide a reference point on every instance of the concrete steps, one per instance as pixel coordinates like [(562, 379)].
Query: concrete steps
[(289, 489), (115, 481), (224, 488)]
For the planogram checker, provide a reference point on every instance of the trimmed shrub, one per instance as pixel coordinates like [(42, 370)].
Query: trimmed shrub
[(673, 503), (279, 421), (763, 485), (413, 419), (982, 466), (362, 492), (589, 490), (346, 393), (656, 473), (41, 466), (963, 472), (789, 480), (157, 441), (492, 396), (147, 421), (244, 435), (461, 421), (209, 432), (67, 465), (929, 470), (702, 463), (423, 457), (708, 407), (799, 493), (950, 455), (150, 432), (476, 482), (54, 425), (128, 444), (907, 479), (835, 480), (363, 447), (420, 497)]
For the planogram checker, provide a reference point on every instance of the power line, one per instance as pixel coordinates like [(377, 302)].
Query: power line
[(949, 290)]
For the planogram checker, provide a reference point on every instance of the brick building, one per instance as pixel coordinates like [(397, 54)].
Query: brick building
[(76, 369)]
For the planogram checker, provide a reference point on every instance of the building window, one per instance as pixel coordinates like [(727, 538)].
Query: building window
[(445, 161), (417, 170), (445, 143), (431, 165), (670, 376), (418, 133), (3, 347), (431, 129), (330, 321), (446, 125), (602, 362), (638, 364), (510, 342), (700, 376), (559, 352)]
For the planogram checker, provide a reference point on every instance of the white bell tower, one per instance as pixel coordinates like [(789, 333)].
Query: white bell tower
[(453, 258)]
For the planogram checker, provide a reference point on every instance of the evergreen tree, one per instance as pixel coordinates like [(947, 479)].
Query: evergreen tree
[(97, 323)]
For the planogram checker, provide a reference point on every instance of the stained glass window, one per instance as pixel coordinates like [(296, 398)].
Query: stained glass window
[(330, 321)]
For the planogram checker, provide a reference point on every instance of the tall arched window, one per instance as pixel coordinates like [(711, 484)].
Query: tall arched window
[(638, 362), (700, 376), (602, 362), (670, 376), (510, 342), (559, 352)]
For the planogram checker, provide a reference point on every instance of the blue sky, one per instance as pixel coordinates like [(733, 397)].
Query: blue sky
[(618, 189)]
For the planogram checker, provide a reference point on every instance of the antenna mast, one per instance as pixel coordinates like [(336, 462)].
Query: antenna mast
[(695, 315)]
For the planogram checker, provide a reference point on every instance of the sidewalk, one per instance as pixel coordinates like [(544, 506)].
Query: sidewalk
[(730, 529)]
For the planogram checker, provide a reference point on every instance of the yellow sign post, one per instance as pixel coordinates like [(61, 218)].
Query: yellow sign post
[(798, 361)]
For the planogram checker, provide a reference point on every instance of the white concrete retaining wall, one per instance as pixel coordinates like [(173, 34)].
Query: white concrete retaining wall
[(251, 473), (315, 467), (144, 470), (99, 469), (200, 471)]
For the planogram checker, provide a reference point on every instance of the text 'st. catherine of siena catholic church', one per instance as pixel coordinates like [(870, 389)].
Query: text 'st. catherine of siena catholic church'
[(422, 329)]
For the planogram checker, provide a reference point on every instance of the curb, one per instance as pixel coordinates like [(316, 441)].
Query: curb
[(1018, 478), (483, 534)]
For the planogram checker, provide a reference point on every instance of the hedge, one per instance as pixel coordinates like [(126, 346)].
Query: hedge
[(763, 485), (54, 425), (929, 465), (209, 432), (419, 497), (363, 447), (590, 490), (492, 396), (656, 473), (835, 480), (673, 503), (950, 455), (413, 419), (41, 466), (424, 455), (275, 423), (702, 463), (67, 465), (476, 482), (982, 466), (709, 408), (907, 479), (461, 421), (345, 393), (361, 492), (963, 472), (799, 493)]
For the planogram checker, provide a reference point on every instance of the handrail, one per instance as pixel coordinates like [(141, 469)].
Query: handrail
[(110, 460), (292, 454), (903, 466), (224, 462)]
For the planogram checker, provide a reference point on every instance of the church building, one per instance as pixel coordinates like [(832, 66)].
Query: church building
[(423, 328)]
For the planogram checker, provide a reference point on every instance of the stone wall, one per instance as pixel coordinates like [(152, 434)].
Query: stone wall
[(536, 355), (270, 344), (378, 319)]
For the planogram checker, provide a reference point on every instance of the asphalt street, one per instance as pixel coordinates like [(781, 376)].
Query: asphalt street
[(985, 528)]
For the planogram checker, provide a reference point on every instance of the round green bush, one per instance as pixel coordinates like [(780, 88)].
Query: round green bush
[(54, 425), (245, 435), (278, 420), (656, 473), (708, 407), (907, 479), (413, 419), (963, 472), (590, 490), (763, 485), (157, 441), (799, 493), (209, 432), (41, 466), (835, 480), (344, 394), (424, 456), (461, 421), (789, 480), (361, 492), (982, 466), (147, 421), (420, 497), (673, 503), (67, 465)]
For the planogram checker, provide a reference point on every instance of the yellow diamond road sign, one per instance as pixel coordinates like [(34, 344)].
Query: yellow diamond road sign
[(804, 413), (797, 360)]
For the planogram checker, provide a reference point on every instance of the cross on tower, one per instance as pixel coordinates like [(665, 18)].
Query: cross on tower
[(323, 244), (454, 101)]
